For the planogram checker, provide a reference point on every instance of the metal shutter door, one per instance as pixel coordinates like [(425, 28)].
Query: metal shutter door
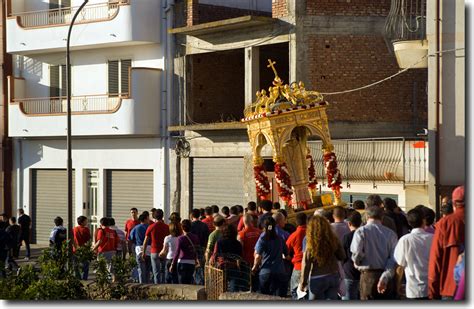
[(49, 200), (127, 189), (217, 181)]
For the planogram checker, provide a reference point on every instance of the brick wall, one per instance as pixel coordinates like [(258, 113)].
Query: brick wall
[(217, 86), (345, 62), (348, 7), (279, 8)]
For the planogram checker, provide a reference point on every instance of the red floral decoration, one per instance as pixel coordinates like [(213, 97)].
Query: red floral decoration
[(332, 172), (284, 182), (261, 182), (311, 173)]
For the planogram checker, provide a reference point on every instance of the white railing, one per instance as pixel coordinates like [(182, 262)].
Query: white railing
[(79, 105), (60, 16)]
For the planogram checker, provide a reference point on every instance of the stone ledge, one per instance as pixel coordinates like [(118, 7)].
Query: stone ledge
[(245, 296)]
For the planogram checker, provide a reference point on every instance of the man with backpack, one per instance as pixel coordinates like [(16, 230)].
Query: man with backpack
[(57, 237)]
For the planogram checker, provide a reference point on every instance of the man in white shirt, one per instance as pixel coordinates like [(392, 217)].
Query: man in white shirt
[(413, 252)]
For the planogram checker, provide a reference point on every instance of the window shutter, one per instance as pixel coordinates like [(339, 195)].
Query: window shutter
[(63, 80), (124, 76), (53, 4), (54, 81), (65, 3), (113, 73)]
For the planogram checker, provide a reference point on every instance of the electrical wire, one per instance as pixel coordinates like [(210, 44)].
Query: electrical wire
[(391, 76)]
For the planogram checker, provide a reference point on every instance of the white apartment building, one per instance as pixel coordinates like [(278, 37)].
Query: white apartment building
[(120, 106)]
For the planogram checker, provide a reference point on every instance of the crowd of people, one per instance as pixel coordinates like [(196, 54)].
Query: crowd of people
[(367, 251)]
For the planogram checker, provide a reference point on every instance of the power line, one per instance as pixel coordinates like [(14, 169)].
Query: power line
[(391, 76)]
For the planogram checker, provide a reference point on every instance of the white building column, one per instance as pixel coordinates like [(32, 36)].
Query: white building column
[(252, 73)]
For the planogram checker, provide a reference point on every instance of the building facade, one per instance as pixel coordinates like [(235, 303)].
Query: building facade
[(221, 61), (120, 108)]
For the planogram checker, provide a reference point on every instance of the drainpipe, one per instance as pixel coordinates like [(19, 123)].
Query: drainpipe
[(438, 107), (166, 83)]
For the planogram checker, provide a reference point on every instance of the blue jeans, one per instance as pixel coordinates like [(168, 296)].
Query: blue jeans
[(294, 282), (324, 287), (144, 267), (352, 289), (273, 283), (171, 277), (199, 276), (235, 282), (185, 273), (162, 270), (156, 268)]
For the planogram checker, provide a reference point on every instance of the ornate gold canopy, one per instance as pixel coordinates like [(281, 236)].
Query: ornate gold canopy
[(285, 118)]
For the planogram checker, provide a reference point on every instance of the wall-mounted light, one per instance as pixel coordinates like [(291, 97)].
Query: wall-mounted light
[(113, 34), (25, 130), (24, 44), (115, 128)]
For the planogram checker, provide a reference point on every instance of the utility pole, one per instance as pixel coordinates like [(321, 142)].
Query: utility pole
[(70, 237)]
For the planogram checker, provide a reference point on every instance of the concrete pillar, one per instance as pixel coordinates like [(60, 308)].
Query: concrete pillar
[(252, 73)]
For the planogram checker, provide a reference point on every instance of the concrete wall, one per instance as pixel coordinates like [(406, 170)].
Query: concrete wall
[(452, 112), (102, 154), (258, 5)]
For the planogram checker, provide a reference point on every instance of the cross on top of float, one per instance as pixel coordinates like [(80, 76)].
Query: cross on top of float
[(282, 98)]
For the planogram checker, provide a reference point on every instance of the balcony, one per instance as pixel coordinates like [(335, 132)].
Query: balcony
[(108, 24), (134, 113), (377, 161), (405, 28)]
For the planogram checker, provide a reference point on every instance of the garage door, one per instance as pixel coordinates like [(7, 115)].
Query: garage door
[(218, 181), (49, 200), (127, 189)]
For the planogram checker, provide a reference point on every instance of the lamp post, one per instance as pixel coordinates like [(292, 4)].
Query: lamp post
[(69, 153)]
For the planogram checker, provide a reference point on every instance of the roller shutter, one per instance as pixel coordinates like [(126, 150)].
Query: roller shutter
[(127, 189), (218, 181), (49, 200)]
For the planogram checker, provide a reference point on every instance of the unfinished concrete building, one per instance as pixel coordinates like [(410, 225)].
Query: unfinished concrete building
[(221, 52)]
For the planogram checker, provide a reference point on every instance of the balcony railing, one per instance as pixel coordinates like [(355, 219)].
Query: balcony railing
[(94, 104), (62, 16), (395, 160)]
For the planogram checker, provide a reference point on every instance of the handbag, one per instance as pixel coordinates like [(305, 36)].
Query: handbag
[(197, 262)]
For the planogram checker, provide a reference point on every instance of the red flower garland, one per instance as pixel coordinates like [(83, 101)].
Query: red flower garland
[(332, 172), (261, 182), (284, 182), (311, 173)]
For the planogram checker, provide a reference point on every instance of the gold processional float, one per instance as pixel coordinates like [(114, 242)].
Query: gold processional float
[(284, 118)]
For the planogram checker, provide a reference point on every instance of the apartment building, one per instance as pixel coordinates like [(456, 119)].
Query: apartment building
[(223, 49), (120, 107)]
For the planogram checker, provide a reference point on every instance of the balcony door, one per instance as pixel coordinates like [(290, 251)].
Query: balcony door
[(91, 200), (57, 88), (60, 10), (118, 77)]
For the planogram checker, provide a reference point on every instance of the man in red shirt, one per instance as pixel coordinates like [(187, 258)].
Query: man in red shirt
[(209, 220), (129, 225), (156, 232), (107, 241), (248, 237), (448, 243), (295, 249), (251, 210), (82, 235)]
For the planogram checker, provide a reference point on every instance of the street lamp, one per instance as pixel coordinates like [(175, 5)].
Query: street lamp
[(69, 153)]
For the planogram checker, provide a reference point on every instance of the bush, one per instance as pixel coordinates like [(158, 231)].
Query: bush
[(53, 281)]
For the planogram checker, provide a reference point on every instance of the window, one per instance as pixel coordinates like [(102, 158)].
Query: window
[(56, 4), (118, 77), (57, 81)]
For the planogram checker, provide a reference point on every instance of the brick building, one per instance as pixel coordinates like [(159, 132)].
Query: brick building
[(331, 45)]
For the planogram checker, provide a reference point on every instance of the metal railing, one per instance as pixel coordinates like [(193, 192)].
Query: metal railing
[(79, 104), (389, 160), (60, 16), (406, 20)]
